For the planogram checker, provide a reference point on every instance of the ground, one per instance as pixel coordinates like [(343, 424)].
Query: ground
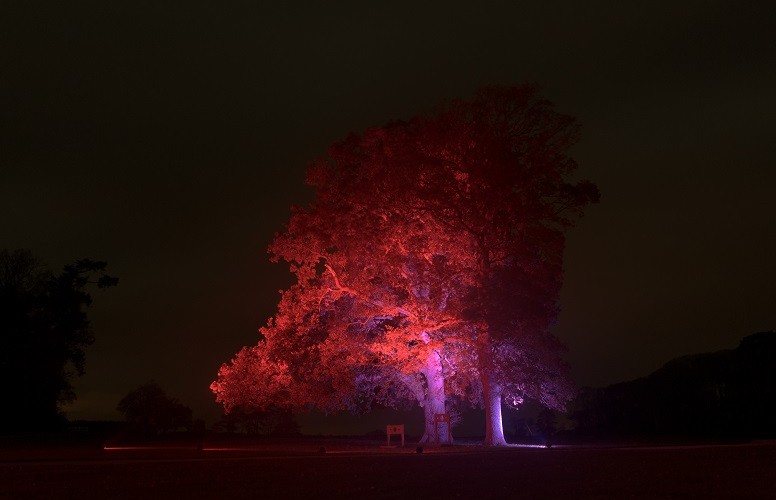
[(302, 469)]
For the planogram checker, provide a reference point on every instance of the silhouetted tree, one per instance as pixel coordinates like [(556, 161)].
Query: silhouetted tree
[(44, 333), (151, 411)]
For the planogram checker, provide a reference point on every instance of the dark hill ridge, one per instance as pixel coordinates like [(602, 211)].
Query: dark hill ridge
[(726, 394)]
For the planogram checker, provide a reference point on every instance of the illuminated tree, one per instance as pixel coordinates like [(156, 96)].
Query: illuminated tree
[(493, 170), (387, 289), (433, 249)]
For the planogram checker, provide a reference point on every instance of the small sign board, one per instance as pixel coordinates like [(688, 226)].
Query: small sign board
[(394, 430)]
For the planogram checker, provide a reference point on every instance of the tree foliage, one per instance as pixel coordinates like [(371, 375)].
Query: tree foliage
[(44, 330), (431, 260)]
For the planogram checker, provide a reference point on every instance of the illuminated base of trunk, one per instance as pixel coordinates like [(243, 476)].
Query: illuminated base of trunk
[(434, 404), (494, 427), (435, 433), (434, 436)]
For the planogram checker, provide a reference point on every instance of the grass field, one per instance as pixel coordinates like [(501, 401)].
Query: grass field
[(301, 469)]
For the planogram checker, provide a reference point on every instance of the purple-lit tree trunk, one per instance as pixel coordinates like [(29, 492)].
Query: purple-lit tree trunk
[(494, 427), (434, 401), (491, 394)]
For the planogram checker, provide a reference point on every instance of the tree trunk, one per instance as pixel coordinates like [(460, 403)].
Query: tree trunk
[(434, 402), (491, 395), (491, 392)]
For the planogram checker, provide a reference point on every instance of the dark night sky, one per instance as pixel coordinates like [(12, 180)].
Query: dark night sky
[(170, 139)]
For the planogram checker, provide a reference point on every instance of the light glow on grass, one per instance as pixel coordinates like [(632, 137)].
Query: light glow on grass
[(146, 448)]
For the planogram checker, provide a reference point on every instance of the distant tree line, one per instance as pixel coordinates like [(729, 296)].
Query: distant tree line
[(272, 421), (723, 394), (149, 411)]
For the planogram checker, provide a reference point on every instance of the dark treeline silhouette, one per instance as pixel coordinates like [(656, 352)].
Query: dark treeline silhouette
[(44, 333), (273, 421), (723, 394), (149, 411)]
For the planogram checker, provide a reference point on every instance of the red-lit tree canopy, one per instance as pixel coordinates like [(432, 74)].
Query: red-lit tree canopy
[(428, 267)]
